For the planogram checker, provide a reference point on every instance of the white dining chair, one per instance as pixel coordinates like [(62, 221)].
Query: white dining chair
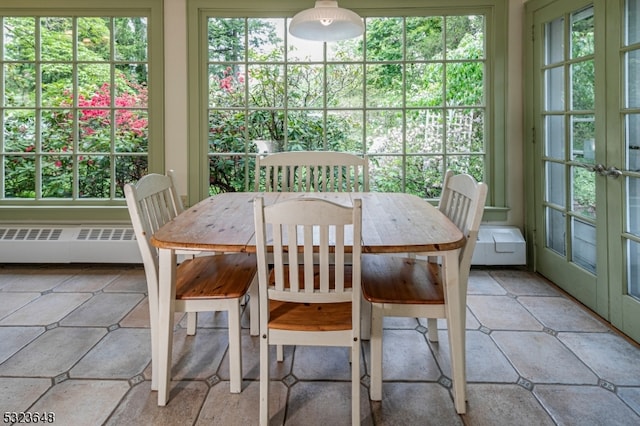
[(203, 283), (410, 287), (178, 207), (192, 317), (311, 295), (312, 171)]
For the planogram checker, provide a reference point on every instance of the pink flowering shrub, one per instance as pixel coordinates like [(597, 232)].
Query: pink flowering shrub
[(97, 117)]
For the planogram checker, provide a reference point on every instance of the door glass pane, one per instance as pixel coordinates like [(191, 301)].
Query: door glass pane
[(633, 164), (555, 136), (582, 34), (583, 192), (633, 21), (555, 184), (633, 269), (583, 86), (633, 206), (584, 244), (555, 89), (632, 65), (555, 231), (633, 142), (554, 37), (583, 138), (632, 145)]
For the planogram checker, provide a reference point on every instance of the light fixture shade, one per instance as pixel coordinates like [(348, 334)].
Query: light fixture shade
[(326, 22)]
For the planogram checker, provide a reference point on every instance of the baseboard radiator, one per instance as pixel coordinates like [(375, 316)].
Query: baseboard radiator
[(68, 244), (497, 245)]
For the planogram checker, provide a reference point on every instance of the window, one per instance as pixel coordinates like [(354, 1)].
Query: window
[(76, 109), (417, 93)]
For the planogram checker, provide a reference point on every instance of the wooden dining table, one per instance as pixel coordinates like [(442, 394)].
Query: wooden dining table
[(391, 223)]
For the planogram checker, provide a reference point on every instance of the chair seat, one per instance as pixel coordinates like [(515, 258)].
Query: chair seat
[(233, 276), (294, 316), (398, 280)]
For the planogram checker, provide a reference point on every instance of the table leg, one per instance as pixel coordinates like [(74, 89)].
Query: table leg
[(166, 308), (456, 313), (365, 321)]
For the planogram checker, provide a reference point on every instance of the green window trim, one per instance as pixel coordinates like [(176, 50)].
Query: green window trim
[(494, 11)]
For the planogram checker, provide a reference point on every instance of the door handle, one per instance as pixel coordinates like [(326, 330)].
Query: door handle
[(599, 169), (602, 170), (613, 172)]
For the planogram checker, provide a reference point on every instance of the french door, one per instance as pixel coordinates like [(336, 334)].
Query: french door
[(584, 117)]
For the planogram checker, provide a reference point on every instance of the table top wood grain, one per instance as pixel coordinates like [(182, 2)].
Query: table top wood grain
[(391, 223)]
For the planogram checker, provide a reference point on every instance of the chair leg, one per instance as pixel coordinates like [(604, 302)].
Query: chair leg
[(192, 322), (154, 356), (254, 308), (456, 312), (432, 329), (166, 312), (376, 352), (365, 323), (264, 379), (235, 348), (355, 383), (279, 353), (153, 328)]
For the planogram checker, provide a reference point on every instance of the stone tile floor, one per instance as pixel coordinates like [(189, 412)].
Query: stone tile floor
[(74, 341)]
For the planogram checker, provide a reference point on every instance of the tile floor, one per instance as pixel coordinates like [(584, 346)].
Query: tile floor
[(74, 341)]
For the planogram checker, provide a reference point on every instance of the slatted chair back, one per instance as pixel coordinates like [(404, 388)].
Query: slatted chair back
[(462, 202), (309, 237), (312, 171), (152, 202)]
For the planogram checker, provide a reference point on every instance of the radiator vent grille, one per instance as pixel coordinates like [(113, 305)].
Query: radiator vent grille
[(106, 234), (30, 234)]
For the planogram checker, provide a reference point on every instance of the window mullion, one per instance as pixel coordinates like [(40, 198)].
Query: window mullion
[(39, 161), (76, 112)]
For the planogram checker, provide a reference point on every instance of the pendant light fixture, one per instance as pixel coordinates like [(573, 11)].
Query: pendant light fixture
[(326, 22)]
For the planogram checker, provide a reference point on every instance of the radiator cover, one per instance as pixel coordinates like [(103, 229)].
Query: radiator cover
[(68, 244), (497, 245)]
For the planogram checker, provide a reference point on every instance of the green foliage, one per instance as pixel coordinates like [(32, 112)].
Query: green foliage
[(78, 131), (247, 105), (92, 157), (584, 192), (583, 99)]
